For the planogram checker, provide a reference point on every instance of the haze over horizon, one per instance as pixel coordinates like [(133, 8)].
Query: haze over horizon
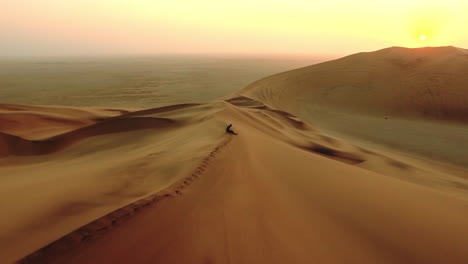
[(331, 28)]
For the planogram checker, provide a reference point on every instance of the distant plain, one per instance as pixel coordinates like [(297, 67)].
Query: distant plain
[(140, 82)]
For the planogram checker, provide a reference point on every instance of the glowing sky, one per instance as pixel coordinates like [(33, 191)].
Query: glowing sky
[(57, 27)]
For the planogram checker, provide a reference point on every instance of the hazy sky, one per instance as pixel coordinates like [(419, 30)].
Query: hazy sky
[(328, 27)]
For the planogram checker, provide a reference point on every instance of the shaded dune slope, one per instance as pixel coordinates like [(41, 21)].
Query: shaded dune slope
[(12, 145), (40, 122)]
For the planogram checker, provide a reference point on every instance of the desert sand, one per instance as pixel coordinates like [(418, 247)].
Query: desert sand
[(169, 185)]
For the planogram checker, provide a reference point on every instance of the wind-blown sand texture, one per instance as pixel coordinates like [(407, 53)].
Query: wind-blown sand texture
[(168, 185)]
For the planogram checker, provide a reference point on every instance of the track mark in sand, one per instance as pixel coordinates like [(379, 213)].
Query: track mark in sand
[(89, 232)]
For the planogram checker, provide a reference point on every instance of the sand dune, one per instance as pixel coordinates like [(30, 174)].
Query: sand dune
[(392, 82), (280, 191), (409, 100), (168, 185)]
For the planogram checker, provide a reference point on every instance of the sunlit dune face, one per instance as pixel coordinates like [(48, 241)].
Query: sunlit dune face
[(422, 37)]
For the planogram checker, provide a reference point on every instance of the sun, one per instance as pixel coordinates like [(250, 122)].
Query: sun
[(422, 37)]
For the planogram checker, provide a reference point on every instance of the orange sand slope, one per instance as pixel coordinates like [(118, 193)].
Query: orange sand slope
[(279, 192)]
